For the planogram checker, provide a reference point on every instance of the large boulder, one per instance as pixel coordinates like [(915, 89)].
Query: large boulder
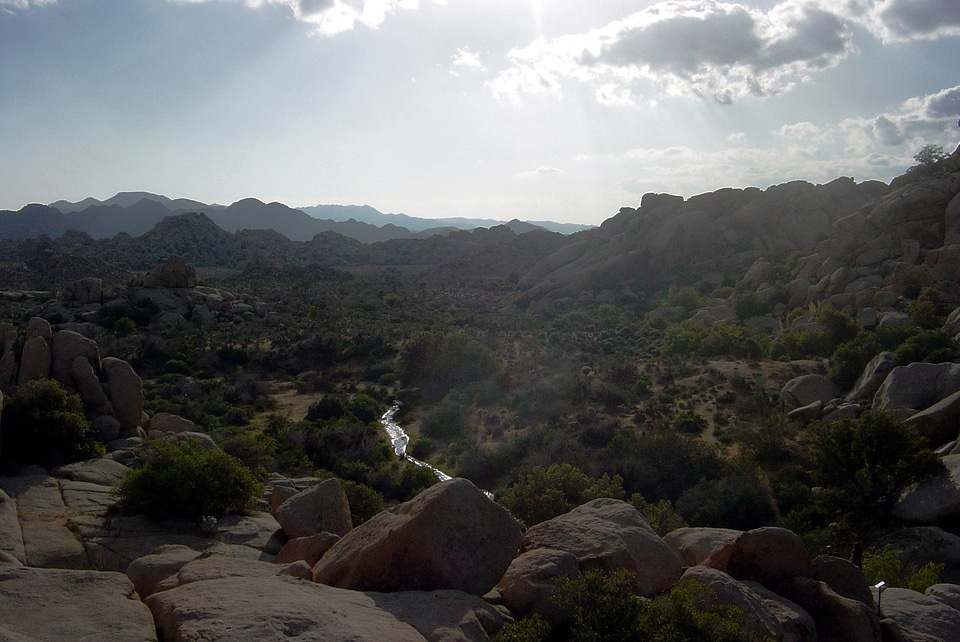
[(65, 347), (450, 536), (89, 386), (872, 376), (251, 609), (843, 576), (309, 549), (126, 392), (924, 614), (917, 386), (797, 623), (804, 390), (932, 499), (939, 422), (527, 585), (35, 360), (168, 422), (319, 509), (53, 604), (766, 555), (695, 544), (838, 619), (610, 534), (947, 593)]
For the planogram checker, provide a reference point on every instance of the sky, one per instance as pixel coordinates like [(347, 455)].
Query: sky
[(563, 110)]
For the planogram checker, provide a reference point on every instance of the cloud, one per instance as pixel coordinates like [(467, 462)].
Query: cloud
[(540, 171), (466, 59), (330, 17), (919, 120), (23, 4), (898, 20), (702, 48)]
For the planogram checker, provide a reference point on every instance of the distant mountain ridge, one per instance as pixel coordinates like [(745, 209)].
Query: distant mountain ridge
[(136, 213)]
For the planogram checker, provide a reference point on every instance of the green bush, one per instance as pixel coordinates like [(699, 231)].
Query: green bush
[(740, 502), (44, 424), (542, 493), (885, 564), (659, 515), (719, 340), (185, 480)]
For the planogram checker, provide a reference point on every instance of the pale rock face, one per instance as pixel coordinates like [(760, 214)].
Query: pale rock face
[(89, 386), (37, 327), (318, 509), (609, 534), (309, 549), (756, 618), (872, 376), (450, 536)]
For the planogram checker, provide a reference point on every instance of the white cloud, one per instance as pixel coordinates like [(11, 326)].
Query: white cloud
[(700, 48), (540, 171), (466, 59), (737, 138), (331, 17), (23, 4), (899, 20), (918, 121)]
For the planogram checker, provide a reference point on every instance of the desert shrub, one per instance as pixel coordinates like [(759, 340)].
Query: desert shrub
[(606, 607), (659, 465), (542, 493), (185, 480), (719, 340), (446, 420), (749, 304), (885, 564), (326, 408), (45, 424), (685, 297), (740, 502), (800, 345), (365, 408), (689, 421), (838, 326), (927, 311), (437, 363), (258, 452)]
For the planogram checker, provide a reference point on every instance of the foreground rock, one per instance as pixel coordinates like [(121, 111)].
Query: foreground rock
[(241, 609), (319, 509), (451, 536), (918, 613), (609, 534), (766, 555), (52, 604)]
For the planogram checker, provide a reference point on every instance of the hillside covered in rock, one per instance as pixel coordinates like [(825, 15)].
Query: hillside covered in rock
[(736, 412)]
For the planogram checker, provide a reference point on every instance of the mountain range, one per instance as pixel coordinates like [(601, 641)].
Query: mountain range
[(135, 213)]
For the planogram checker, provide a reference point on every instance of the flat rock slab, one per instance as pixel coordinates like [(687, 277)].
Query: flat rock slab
[(918, 613), (105, 472), (260, 531), (443, 616), (11, 537), (56, 605), (86, 497), (241, 609), (47, 541)]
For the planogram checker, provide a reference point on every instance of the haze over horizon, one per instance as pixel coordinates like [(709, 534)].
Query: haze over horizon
[(497, 109)]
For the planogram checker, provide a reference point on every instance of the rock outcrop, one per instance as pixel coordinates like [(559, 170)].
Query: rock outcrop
[(450, 536)]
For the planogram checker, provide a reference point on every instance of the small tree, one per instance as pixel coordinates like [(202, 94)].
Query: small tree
[(929, 155), (543, 493), (864, 465)]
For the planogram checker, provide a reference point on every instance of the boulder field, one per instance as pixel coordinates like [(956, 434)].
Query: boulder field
[(450, 564)]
